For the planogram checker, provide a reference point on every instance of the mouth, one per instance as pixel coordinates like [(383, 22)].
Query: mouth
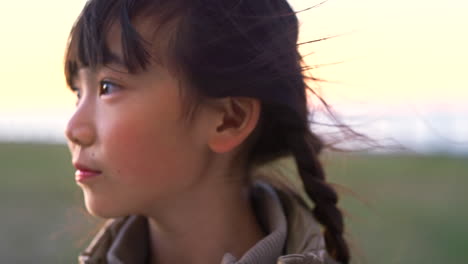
[(84, 173)]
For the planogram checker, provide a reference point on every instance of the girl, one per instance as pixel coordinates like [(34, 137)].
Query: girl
[(191, 135)]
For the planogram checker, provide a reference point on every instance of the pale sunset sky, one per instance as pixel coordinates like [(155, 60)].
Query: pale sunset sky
[(402, 53)]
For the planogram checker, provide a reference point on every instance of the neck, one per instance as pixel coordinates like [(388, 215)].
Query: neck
[(203, 225)]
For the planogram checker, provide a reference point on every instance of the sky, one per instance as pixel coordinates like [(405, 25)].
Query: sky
[(408, 54), (400, 54)]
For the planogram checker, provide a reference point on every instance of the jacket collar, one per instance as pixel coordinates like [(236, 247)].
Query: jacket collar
[(294, 236), (271, 216)]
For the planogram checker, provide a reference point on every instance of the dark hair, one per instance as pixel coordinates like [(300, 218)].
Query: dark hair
[(227, 48)]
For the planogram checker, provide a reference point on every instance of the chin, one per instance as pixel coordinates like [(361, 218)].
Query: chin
[(102, 208)]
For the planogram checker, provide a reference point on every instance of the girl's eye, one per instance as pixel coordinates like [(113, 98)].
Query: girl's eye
[(76, 91), (107, 87)]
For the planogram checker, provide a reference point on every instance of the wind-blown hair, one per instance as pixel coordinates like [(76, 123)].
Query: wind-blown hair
[(223, 48)]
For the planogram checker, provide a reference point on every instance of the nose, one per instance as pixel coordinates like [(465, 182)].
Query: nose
[(80, 129)]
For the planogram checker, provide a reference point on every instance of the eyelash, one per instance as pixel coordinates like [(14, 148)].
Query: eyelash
[(103, 88), (76, 91)]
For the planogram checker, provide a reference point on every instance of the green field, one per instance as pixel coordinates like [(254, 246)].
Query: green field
[(400, 209)]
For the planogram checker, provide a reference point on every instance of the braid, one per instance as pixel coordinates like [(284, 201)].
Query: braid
[(306, 148), (281, 132)]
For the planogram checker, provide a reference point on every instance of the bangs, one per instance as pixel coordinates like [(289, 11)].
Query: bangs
[(87, 45)]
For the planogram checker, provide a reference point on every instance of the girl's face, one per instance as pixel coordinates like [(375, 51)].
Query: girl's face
[(127, 129)]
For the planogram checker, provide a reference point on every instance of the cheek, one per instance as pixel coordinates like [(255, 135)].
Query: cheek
[(145, 155)]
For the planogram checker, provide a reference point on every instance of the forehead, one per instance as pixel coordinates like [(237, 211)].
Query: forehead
[(120, 53)]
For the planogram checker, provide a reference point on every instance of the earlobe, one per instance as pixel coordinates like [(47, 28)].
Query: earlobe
[(238, 119)]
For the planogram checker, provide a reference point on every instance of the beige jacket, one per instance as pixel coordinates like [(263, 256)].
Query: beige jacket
[(294, 236)]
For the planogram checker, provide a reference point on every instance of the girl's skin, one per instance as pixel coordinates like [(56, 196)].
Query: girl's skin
[(185, 177)]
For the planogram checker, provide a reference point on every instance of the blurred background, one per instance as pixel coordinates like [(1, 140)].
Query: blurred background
[(396, 72)]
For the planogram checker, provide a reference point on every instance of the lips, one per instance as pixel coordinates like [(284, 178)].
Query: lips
[(84, 173)]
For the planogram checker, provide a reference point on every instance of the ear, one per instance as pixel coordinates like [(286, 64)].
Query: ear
[(238, 117)]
